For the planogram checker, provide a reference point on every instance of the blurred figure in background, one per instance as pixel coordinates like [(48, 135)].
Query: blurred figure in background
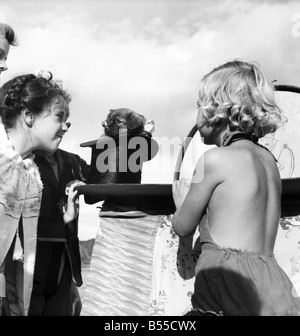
[(7, 38)]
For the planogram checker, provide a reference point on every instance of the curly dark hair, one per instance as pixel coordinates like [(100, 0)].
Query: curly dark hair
[(27, 92)]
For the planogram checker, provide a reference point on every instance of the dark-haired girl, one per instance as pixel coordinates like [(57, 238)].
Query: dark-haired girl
[(34, 112)]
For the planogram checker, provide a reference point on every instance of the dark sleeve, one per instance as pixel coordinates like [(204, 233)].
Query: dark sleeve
[(85, 170), (83, 167)]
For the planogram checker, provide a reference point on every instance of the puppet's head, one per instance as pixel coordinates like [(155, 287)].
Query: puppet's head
[(122, 120)]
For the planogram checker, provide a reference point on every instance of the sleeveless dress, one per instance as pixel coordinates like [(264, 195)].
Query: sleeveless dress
[(233, 282)]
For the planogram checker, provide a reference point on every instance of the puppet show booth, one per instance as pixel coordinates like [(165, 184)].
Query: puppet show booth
[(139, 266)]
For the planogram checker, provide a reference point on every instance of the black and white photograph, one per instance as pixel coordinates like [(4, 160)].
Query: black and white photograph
[(149, 160)]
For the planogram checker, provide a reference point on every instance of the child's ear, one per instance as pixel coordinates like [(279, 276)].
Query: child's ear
[(136, 121), (120, 121), (28, 117)]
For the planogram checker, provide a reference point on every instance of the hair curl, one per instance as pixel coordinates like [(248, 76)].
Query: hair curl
[(240, 94), (27, 92)]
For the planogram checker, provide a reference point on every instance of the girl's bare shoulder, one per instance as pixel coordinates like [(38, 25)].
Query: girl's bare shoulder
[(214, 162), (223, 160), (217, 155)]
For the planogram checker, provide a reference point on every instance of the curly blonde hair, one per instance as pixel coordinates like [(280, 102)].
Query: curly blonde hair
[(239, 93)]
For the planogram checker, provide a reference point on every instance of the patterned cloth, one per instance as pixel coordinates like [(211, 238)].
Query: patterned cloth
[(287, 249), (174, 262), (119, 280), (20, 198), (137, 265), (140, 266)]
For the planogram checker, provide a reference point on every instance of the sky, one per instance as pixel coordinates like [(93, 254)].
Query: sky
[(148, 56)]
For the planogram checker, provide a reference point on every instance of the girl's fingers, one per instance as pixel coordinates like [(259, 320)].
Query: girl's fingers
[(72, 185), (72, 194)]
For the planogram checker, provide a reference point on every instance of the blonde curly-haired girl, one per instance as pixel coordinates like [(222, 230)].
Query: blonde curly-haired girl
[(238, 186)]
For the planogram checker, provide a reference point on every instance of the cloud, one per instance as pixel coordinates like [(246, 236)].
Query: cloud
[(147, 57)]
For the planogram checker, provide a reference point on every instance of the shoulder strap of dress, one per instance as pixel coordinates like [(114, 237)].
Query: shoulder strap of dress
[(237, 136)]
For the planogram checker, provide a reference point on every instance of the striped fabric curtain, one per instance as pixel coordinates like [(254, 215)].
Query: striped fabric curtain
[(139, 267)]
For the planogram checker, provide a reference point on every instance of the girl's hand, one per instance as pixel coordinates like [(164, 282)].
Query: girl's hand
[(180, 189), (72, 206)]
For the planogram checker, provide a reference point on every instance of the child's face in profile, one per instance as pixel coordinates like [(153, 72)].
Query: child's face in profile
[(4, 50), (51, 125)]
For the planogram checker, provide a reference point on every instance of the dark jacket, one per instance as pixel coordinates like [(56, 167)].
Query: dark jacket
[(51, 226)]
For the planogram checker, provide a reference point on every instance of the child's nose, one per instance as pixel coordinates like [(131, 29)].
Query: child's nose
[(3, 66), (65, 126)]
